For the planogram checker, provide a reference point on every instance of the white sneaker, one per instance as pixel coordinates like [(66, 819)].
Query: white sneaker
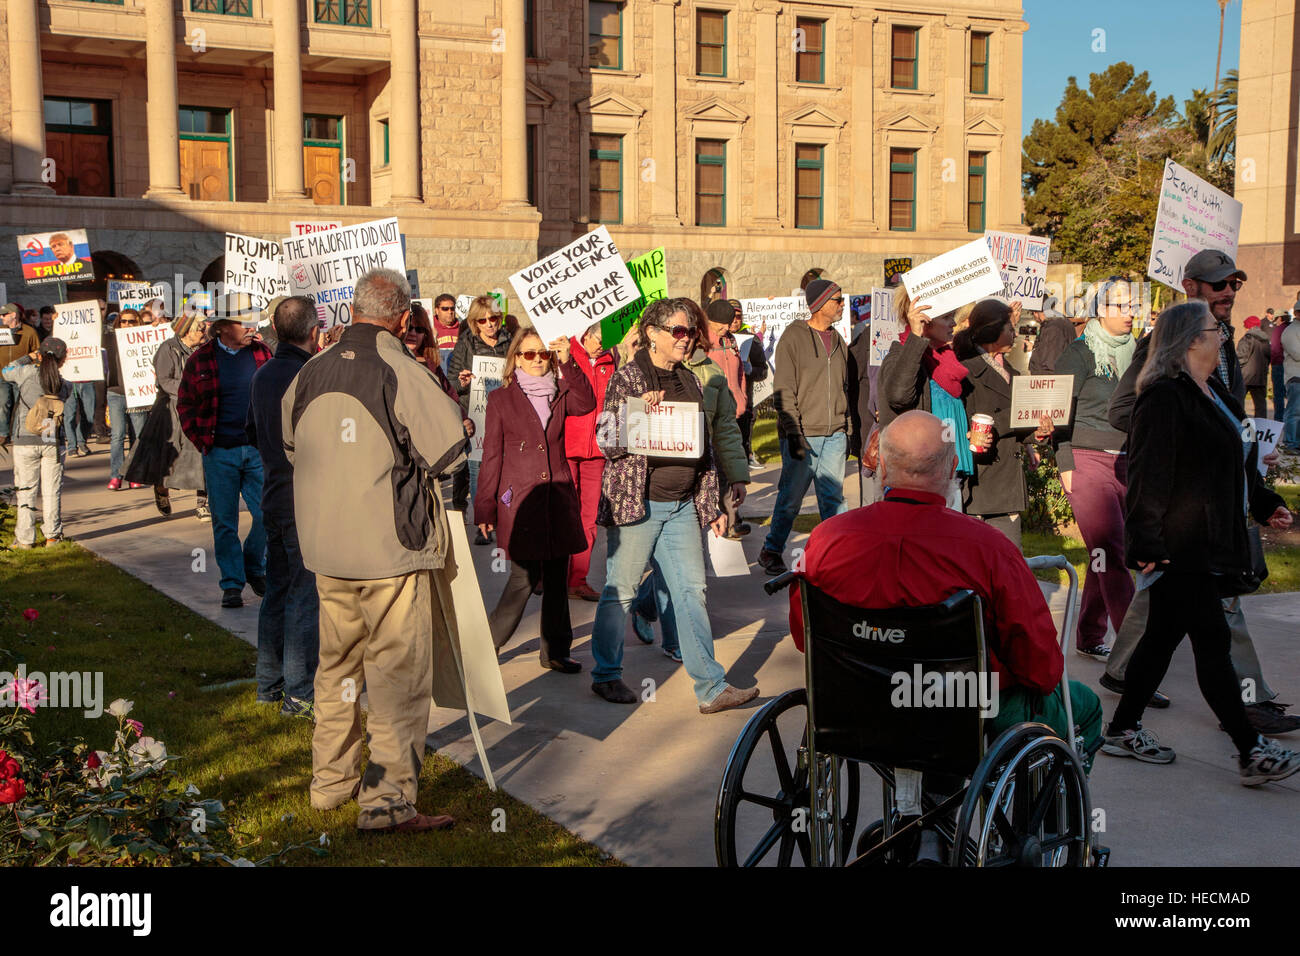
[(1268, 761)]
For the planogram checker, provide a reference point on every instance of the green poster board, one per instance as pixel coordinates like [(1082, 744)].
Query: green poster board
[(651, 278)]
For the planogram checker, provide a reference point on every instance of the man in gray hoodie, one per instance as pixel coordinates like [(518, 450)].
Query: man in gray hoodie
[(811, 397)]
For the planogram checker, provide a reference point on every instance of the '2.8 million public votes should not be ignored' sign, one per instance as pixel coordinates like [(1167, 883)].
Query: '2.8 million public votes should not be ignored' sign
[(326, 265), (959, 276), (576, 286)]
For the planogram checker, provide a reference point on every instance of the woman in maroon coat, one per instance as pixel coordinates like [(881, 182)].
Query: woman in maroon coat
[(525, 490)]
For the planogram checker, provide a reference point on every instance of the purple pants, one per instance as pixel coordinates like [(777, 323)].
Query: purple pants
[(1097, 497)]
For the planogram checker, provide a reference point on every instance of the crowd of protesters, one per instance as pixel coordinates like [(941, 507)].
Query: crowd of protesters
[(235, 419)]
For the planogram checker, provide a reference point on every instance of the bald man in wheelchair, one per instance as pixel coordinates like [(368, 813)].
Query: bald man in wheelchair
[(911, 550)]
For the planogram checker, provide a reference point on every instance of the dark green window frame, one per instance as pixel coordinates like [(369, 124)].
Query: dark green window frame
[(344, 13), (530, 29), (711, 159), (895, 60), (700, 45), (979, 68), (606, 36), (976, 175), (186, 118), (228, 8), (530, 152), (614, 155), (384, 124), (309, 140), (802, 23), (898, 166), (818, 164)]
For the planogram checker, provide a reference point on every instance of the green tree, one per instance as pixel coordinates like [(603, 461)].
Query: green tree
[(1222, 140), (1087, 120)]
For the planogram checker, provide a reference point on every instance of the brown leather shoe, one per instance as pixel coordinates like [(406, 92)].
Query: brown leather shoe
[(419, 823), (729, 698), (584, 592)]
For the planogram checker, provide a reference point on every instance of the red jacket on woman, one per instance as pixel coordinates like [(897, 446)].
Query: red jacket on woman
[(524, 485), (580, 430)]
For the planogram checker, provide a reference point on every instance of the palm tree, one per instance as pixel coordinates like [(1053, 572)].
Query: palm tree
[(1218, 59), (1223, 111)]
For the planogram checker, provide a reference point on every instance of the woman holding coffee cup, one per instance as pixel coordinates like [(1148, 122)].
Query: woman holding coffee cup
[(996, 492)]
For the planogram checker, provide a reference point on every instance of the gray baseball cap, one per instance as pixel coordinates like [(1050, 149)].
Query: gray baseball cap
[(1211, 265)]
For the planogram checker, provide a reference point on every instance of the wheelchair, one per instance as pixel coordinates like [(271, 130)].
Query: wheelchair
[(792, 780)]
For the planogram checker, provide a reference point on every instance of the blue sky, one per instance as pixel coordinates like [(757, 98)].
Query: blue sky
[(1173, 40)]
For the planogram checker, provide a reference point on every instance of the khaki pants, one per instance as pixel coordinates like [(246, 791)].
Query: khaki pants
[(377, 634)]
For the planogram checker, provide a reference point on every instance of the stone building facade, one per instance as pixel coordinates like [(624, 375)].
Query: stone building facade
[(830, 134)]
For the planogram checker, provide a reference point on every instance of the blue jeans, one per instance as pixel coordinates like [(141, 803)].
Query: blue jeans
[(230, 473), (79, 414), (1291, 428), (118, 416), (822, 466), (670, 533), (653, 601), (288, 624), (1279, 394), (8, 399)]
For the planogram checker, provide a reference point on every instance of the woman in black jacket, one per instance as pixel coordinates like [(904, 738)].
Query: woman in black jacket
[(996, 492), (1193, 481)]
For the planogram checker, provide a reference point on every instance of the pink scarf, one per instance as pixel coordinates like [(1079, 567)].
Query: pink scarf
[(539, 390), (942, 365)]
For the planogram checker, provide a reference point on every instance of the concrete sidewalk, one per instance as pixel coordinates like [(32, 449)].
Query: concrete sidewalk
[(641, 781)]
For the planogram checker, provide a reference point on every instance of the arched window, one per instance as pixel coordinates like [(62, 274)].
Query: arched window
[(109, 265), (714, 285)]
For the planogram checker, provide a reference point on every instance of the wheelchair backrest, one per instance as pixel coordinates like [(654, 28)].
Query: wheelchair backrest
[(902, 686)]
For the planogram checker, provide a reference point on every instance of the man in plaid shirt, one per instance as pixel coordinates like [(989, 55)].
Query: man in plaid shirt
[(212, 405)]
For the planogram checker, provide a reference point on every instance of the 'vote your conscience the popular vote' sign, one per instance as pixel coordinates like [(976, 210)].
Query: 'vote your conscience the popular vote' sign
[(575, 286), (326, 265)]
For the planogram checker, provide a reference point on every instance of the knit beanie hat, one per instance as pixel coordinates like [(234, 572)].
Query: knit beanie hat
[(184, 323), (819, 292), (721, 311)]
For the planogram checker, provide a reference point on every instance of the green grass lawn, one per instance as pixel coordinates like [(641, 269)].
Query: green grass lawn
[(151, 650)]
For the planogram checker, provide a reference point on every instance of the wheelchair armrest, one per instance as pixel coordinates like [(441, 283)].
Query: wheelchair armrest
[(780, 582), (1058, 561)]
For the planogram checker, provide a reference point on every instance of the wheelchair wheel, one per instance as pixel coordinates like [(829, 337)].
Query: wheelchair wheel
[(1036, 807), (764, 804)]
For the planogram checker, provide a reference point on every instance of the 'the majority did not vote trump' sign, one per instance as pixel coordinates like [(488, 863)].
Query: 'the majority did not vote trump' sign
[(1192, 216), (575, 286), (326, 265)]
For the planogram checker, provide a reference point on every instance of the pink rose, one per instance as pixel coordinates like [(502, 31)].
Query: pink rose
[(136, 726)]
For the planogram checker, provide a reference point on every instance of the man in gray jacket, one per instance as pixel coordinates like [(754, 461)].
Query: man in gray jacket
[(811, 397), (367, 429)]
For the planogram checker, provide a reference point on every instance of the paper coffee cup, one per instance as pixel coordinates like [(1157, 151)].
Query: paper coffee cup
[(980, 425)]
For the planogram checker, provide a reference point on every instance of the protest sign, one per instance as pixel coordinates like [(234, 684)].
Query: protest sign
[(1192, 216), (1033, 396), (665, 430), (255, 267), (575, 286), (307, 228), (463, 302), (769, 318), (427, 305), (62, 256), (949, 281), (326, 265), (199, 301), (137, 295), (651, 278), (135, 349), (1266, 432), (7, 335), (80, 326), (896, 267), (1022, 262), (885, 330), (115, 286), (726, 557), (487, 371)]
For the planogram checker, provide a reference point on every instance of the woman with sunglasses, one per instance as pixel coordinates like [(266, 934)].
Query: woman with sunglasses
[(526, 491), (485, 336), (1093, 464), (655, 506), (1194, 485), (163, 456)]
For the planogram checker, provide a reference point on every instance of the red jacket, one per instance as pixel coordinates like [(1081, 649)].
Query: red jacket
[(580, 430), (901, 554), (524, 484), (196, 401)]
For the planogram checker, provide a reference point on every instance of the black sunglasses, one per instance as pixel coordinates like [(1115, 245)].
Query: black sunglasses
[(1224, 283)]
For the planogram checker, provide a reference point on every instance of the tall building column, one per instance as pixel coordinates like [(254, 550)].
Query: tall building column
[(663, 125), (767, 183), (514, 116), (286, 129), (1012, 199), (862, 151), (162, 108), (953, 162), (27, 98), (404, 102)]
